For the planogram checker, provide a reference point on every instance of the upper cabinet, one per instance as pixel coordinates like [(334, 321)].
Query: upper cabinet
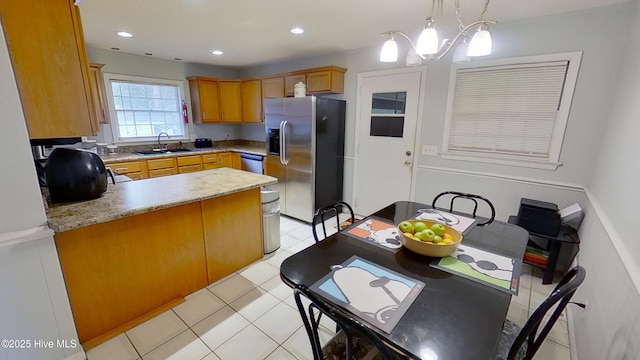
[(100, 107), (50, 63), (326, 80), (273, 87), (215, 101), (252, 101)]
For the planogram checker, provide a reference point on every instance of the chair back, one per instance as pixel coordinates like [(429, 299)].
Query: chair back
[(535, 330), (327, 213), (454, 195), (350, 325)]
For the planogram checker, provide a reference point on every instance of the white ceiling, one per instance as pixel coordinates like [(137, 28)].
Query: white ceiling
[(252, 32)]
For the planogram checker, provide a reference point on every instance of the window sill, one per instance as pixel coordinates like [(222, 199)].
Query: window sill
[(544, 165)]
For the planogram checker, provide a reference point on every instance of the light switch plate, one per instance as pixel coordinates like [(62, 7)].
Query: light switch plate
[(430, 150)]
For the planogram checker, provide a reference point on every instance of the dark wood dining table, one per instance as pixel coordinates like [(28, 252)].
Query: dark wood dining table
[(452, 317)]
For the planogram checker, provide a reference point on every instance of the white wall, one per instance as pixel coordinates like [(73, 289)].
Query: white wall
[(610, 327), (33, 300)]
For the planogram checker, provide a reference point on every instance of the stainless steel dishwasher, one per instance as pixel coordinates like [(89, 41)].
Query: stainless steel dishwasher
[(252, 163)]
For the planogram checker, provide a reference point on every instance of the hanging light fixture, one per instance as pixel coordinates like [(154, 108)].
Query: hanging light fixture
[(428, 45)]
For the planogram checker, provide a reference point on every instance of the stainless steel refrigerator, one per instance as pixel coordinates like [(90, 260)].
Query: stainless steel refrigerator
[(305, 151)]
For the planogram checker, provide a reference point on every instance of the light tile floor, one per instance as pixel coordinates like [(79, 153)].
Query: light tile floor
[(251, 314)]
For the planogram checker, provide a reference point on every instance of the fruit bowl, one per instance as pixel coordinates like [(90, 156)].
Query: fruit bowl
[(422, 247)]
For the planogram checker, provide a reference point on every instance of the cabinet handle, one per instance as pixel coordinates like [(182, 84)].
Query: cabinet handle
[(223, 115), (204, 114), (121, 169)]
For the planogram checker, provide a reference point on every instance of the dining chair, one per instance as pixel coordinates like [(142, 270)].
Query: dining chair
[(517, 343), (454, 195), (353, 339), (326, 213)]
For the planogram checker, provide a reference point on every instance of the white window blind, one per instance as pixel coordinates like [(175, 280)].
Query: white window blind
[(512, 111)]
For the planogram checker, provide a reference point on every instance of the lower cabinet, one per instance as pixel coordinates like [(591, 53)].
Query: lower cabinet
[(136, 170), (231, 160), (161, 167), (227, 250), (210, 161), (123, 272), (189, 163)]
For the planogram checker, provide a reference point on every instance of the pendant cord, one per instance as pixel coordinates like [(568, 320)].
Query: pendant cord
[(460, 23)]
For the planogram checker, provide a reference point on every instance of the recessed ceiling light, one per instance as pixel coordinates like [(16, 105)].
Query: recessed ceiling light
[(216, 52), (297, 30), (124, 34)]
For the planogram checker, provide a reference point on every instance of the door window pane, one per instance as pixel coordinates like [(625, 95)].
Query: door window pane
[(389, 126), (388, 103)]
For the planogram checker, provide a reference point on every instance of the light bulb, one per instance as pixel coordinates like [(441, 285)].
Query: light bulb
[(480, 44), (389, 51), (428, 40)]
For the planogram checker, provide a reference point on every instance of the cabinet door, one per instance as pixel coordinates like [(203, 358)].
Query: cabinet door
[(50, 63), (189, 168), (319, 81), (209, 101), (230, 101), (225, 160), (290, 82), (236, 161), (273, 88), (99, 99), (252, 101), (161, 172)]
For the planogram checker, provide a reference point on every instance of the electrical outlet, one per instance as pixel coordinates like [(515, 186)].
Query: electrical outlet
[(430, 150)]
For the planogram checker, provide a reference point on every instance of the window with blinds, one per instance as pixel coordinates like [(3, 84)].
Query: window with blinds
[(510, 111)]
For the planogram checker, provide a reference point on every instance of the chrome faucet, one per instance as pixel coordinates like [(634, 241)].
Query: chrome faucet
[(159, 144)]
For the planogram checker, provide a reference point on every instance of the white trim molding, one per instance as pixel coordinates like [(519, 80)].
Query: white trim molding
[(22, 236)]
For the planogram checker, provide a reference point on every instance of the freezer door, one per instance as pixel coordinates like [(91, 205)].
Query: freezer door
[(274, 120), (299, 142)]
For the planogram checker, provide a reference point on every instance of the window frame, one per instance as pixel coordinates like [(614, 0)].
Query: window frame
[(113, 123), (551, 162)]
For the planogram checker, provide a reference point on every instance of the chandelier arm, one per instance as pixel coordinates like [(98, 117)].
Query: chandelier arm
[(449, 45), (391, 32)]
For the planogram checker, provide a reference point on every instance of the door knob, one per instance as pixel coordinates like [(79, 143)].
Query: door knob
[(407, 162), (408, 153)]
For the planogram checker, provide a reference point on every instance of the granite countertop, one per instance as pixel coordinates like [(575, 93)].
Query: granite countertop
[(138, 197), (130, 156)]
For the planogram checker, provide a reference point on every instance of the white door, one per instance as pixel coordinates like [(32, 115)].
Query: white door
[(387, 118)]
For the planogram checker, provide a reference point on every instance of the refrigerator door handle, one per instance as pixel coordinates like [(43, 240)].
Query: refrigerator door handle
[(281, 138), (285, 153)]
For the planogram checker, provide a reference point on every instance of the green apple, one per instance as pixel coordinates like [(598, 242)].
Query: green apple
[(405, 227), (437, 239), (420, 226), (427, 235), (438, 228), (417, 235)]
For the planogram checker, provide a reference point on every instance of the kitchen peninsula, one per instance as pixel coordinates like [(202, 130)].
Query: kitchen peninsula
[(144, 245)]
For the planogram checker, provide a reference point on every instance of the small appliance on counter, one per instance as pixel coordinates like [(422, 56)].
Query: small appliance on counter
[(75, 175), (203, 143)]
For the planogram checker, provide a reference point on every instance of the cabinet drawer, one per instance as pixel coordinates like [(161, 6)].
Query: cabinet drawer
[(126, 168), (161, 172), (160, 164), (189, 160), (210, 166), (210, 159), (189, 168), (135, 176)]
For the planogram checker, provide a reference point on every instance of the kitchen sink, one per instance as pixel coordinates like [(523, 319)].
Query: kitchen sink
[(159, 152)]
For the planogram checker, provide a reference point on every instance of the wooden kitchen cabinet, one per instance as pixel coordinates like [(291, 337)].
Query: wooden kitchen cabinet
[(100, 107), (273, 88), (230, 101), (210, 161), (236, 211), (136, 170), (205, 104), (46, 46), (231, 160), (252, 101), (161, 167), (215, 101), (290, 82), (189, 163)]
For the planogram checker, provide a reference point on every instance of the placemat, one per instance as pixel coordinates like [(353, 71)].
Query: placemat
[(372, 292), (376, 232), (498, 271)]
